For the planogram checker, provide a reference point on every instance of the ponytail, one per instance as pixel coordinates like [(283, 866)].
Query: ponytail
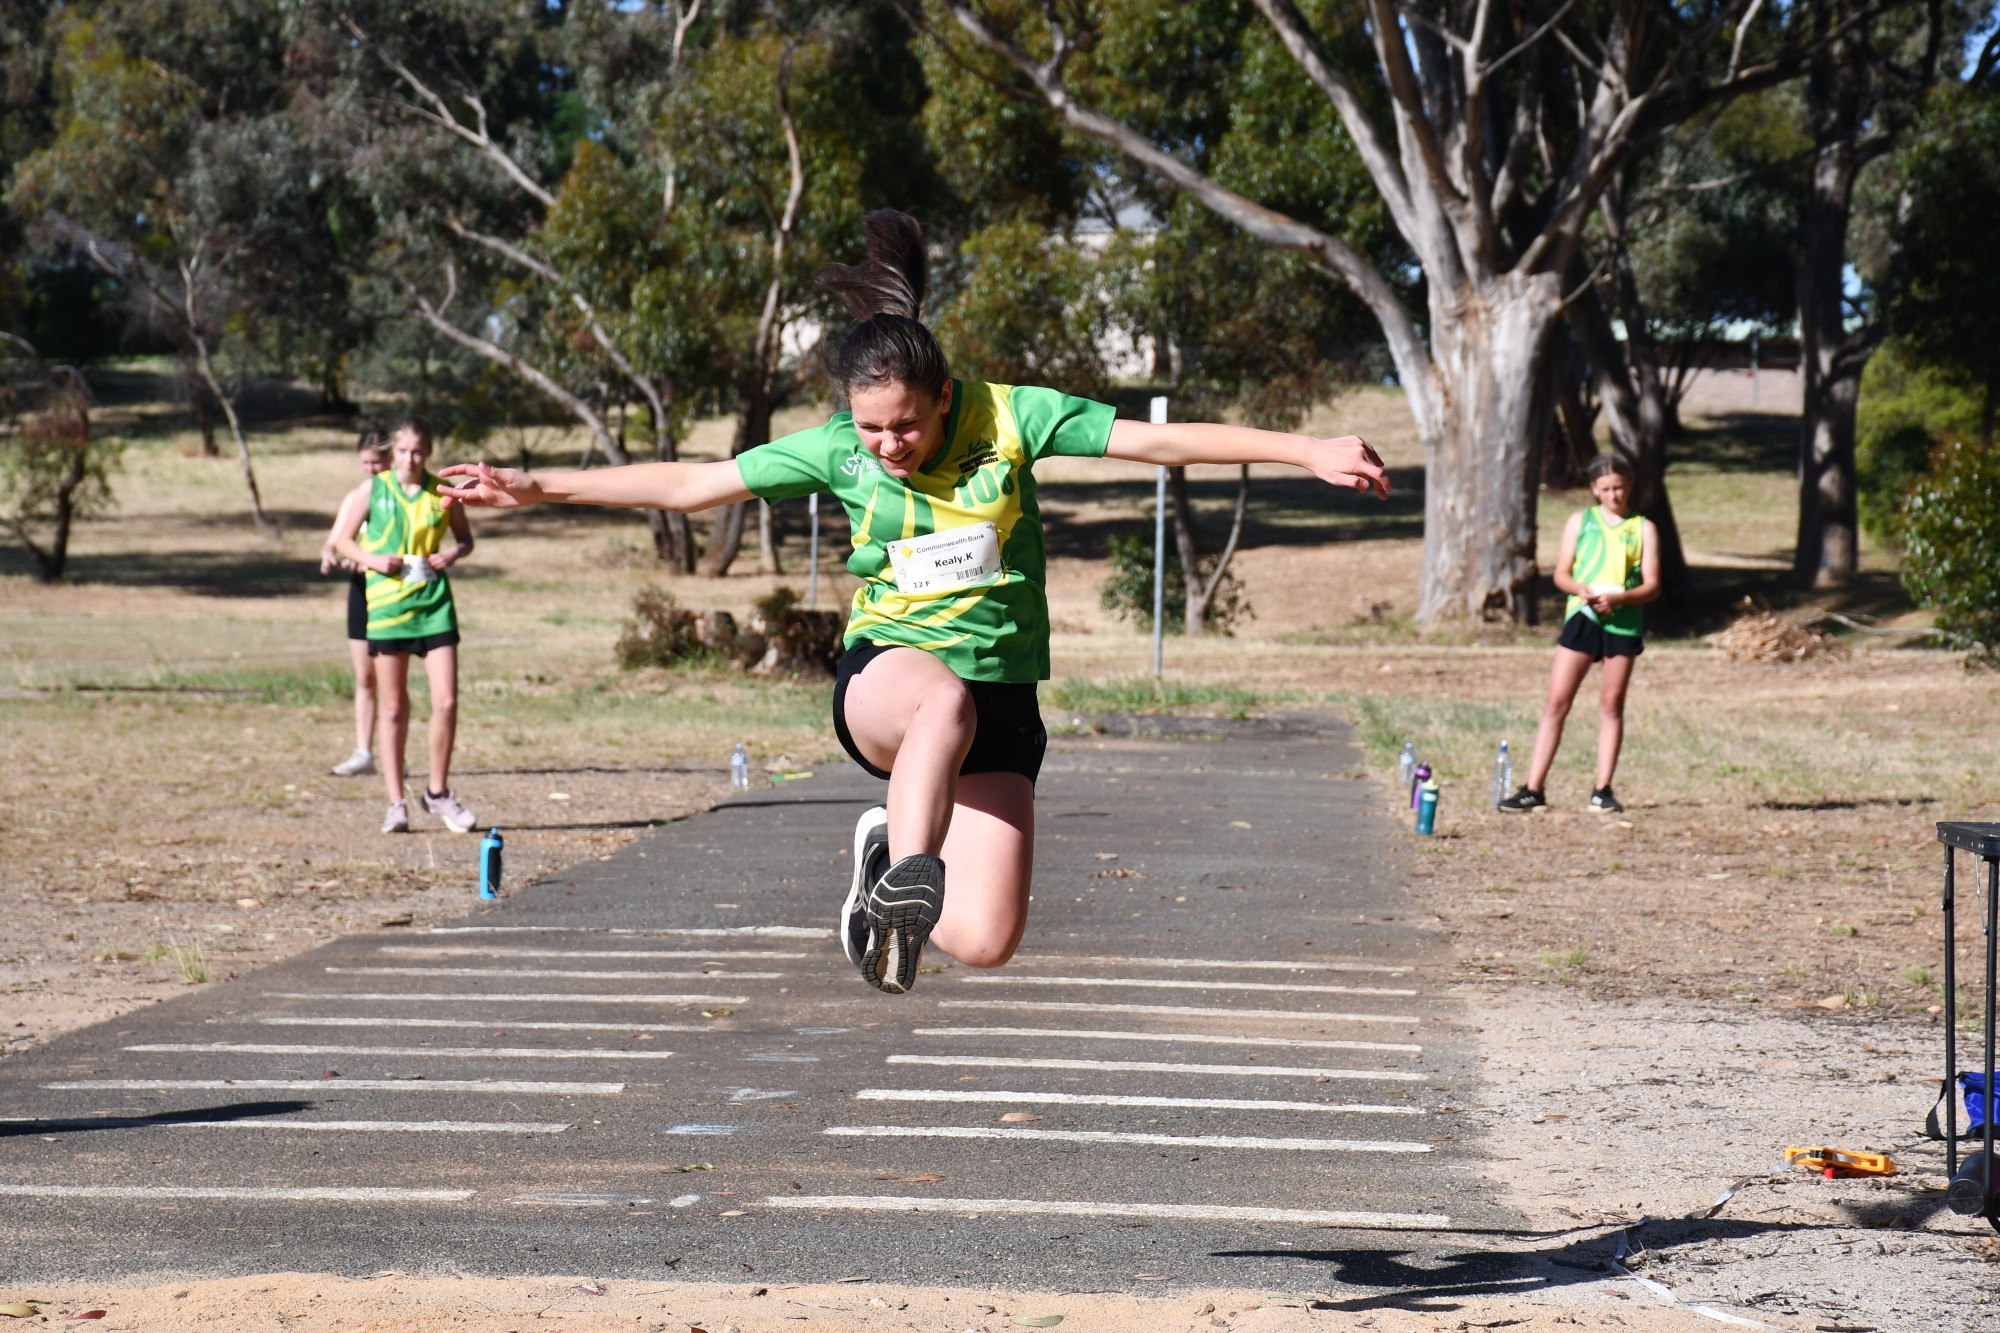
[(889, 343)]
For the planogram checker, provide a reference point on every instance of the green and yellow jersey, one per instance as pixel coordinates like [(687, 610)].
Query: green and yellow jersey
[(951, 558), (1609, 553), (402, 524)]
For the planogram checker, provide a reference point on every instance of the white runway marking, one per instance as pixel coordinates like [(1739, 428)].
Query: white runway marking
[(382, 1126), (506, 1024), (1181, 1010), (1152, 1067), (1116, 1099), (303, 1193), (545, 972), (1178, 1212), (1197, 1038), (454, 997), (1261, 964), (692, 932), (336, 1085), (400, 1052), (496, 951), (1163, 983), (1107, 1136)]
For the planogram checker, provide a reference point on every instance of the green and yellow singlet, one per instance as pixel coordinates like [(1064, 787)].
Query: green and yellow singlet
[(934, 574), (402, 524), (1609, 554)]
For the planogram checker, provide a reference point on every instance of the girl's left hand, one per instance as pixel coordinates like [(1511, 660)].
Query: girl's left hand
[(1349, 463), (440, 561)]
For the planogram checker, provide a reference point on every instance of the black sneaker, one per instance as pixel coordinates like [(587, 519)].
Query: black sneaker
[(871, 855), (1604, 803), (1523, 801), (902, 906)]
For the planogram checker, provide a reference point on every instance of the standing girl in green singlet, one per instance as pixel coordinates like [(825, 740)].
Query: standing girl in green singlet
[(949, 632), (410, 611), (1609, 564)]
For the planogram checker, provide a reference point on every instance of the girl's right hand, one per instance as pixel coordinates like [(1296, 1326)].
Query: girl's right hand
[(491, 487)]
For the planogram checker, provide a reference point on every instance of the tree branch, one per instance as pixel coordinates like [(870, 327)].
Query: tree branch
[(1266, 224), (440, 115)]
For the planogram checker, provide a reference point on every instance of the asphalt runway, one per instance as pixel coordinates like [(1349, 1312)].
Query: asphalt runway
[(1221, 1058)]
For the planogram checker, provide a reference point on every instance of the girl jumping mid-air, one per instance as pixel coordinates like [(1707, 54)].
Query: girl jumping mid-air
[(1609, 564), (949, 632)]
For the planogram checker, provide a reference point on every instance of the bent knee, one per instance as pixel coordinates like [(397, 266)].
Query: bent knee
[(949, 702)]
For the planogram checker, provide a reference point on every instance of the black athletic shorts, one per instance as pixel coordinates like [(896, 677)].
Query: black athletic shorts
[(1587, 636), (1009, 737), (357, 606), (420, 646)]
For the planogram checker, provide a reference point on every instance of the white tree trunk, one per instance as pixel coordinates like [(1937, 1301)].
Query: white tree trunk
[(1473, 418)]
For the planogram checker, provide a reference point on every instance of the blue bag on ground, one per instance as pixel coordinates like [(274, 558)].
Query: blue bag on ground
[(1975, 1100)]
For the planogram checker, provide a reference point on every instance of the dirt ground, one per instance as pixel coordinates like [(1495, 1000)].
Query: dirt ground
[(1747, 958)]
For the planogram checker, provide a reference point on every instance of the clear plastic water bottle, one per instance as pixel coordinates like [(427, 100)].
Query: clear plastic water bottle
[(1503, 775), (739, 769), (1406, 765)]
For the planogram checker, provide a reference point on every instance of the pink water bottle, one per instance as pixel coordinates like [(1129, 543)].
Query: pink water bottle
[(1423, 775)]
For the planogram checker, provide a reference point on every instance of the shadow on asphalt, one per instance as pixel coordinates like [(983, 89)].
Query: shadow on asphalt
[(84, 1124), (1413, 1286)]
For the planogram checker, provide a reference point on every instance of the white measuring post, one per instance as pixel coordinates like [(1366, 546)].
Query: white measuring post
[(1159, 417), (812, 561)]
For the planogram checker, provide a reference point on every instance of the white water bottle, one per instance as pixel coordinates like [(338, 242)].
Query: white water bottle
[(1503, 775), (1406, 766), (739, 769)]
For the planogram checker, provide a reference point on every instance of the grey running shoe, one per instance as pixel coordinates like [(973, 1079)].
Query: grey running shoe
[(446, 807), (902, 906), (398, 818), (871, 854), (1604, 803), (361, 761), (1524, 801)]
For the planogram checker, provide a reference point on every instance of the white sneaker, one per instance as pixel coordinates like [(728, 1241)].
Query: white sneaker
[(361, 761), (397, 820), (446, 807)]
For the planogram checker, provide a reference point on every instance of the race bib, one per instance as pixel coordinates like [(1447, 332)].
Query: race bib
[(946, 561)]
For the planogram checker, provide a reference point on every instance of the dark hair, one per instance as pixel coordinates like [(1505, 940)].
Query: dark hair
[(417, 425), (1607, 465), (889, 343), (370, 439)]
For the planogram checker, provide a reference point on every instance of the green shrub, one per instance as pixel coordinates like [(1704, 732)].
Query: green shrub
[(1951, 532), (661, 633), (1127, 591), (1905, 408)]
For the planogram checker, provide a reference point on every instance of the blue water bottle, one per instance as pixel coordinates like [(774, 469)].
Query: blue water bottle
[(489, 865), (1427, 808)]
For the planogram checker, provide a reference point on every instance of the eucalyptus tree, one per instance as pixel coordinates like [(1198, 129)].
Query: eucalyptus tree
[(209, 212), (1489, 132)]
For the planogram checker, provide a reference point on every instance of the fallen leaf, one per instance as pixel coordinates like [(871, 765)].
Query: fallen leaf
[(696, 1166), (733, 1212), (558, 796), (1038, 1321), (1117, 872), (88, 1314), (590, 1288), (1018, 1117), (1240, 823), (717, 1013), (1107, 856), (1833, 1002), (402, 920), (862, 1278), (927, 1177), (331, 1073), (19, 1311), (929, 971)]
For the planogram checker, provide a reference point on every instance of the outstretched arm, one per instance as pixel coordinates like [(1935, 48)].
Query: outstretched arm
[(677, 487), (1346, 462)]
